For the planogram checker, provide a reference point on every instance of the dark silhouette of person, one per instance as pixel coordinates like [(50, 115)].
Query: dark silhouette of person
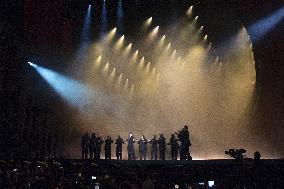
[(162, 146), (99, 141), (154, 149), (174, 147), (183, 136), (92, 146), (148, 183), (130, 147), (142, 147), (107, 148), (118, 149), (85, 141)]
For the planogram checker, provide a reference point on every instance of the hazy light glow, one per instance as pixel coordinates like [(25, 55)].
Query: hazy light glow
[(189, 11), (118, 45), (106, 68), (98, 61), (104, 22), (205, 37), (148, 22), (85, 35), (141, 62), (134, 57), (111, 34), (119, 16), (73, 92), (193, 87), (126, 84), (263, 26), (153, 33)]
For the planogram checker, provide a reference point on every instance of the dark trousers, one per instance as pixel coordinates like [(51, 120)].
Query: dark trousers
[(92, 153), (108, 154), (154, 154), (131, 156), (143, 154), (98, 155), (84, 153), (183, 153), (162, 154), (174, 153), (131, 153), (118, 155)]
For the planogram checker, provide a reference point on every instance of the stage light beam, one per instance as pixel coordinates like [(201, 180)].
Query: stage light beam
[(263, 26), (119, 16), (73, 92), (104, 22), (189, 11), (153, 33), (111, 34), (148, 22), (118, 45)]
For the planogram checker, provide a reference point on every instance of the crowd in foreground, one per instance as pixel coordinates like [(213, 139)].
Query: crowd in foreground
[(91, 146), (59, 174)]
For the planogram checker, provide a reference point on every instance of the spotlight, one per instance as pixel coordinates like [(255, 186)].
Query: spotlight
[(153, 33), (156, 28), (111, 34), (189, 11), (126, 84), (168, 46), (106, 67), (148, 67), (32, 64), (263, 26), (148, 21), (119, 43), (162, 40)]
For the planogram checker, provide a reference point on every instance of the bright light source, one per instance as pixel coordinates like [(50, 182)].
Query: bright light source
[(189, 11), (32, 64), (148, 21), (111, 34), (205, 37), (153, 33), (119, 43)]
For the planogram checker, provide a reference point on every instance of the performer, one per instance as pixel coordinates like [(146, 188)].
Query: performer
[(154, 149), (98, 142), (92, 146), (119, 143), (183, 136), (85, 141), (107, 148), (130, 147), (162, 146), (142, 147), (174, 147)]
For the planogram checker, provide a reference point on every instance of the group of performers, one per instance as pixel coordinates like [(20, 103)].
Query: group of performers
[(91, 145)]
